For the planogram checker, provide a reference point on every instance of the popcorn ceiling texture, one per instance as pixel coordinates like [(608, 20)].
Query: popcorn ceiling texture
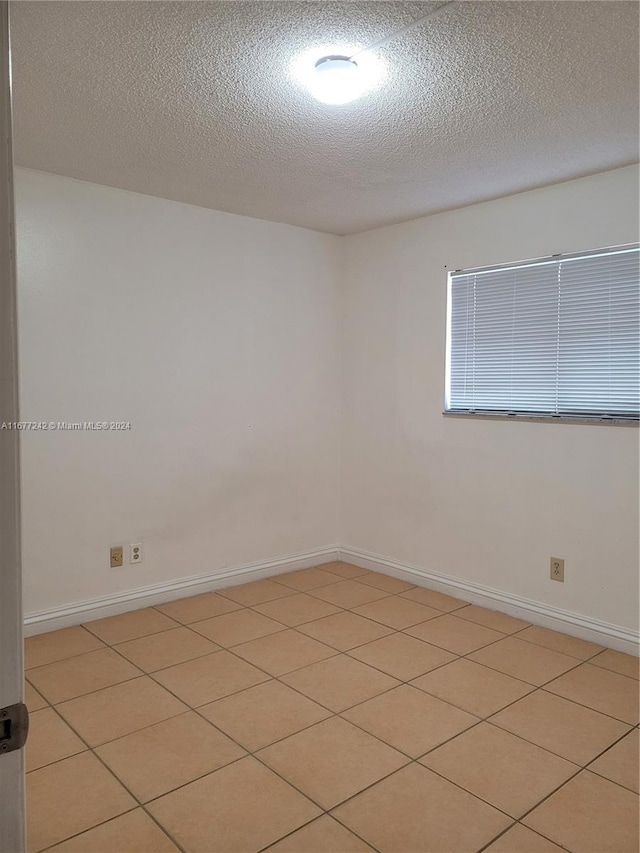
[(194, 101)]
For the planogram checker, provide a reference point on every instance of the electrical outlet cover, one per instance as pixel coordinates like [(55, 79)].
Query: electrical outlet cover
[(115, 556), (556, 569)]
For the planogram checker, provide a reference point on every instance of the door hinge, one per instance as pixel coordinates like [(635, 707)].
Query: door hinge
[(14, 727)]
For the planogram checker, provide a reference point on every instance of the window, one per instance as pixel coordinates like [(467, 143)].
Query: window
[(558, 337)]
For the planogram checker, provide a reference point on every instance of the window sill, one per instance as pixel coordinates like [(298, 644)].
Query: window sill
[(554, 419)]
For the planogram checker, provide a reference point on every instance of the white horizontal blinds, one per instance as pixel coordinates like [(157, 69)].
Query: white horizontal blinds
[(460, 393), (516, 326), (503, 333), (558, 336), (599, 326)]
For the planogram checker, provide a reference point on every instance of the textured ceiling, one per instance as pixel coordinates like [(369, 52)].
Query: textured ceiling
[(195, 101)]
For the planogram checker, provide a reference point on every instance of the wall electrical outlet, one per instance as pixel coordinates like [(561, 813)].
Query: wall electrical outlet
[(556, 569), (135, 553), (115, 556)]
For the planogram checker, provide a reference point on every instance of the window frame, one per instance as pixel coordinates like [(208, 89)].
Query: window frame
[(542, 417)]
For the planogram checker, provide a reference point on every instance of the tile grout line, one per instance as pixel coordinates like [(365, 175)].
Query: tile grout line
[(62, 660), (582, 705), (410, 761), (332, 714), (288, 782), (600, 754), (139, 804), (528, 811), (142, 672), (479, 719), (338, 652), (95, 826), (248, 753), (278, 678), (290, 627), (487, 720), (591, 661), (272, 844), (579, 768), (98, 689), (499, 835), (546, 837), (528, 828), (86, 625), (271, 769), (582, 769)]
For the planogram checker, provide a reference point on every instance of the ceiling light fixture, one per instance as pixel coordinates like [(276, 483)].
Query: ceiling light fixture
[(337, 78), (333, 75)]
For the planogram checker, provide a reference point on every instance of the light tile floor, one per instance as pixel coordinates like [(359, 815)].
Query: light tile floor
[(327, 711)]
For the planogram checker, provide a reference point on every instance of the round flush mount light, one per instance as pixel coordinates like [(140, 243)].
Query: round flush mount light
[(336, 76), (337, 80), (340, 75)]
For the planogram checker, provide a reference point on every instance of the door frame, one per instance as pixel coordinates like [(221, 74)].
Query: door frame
[(12, 798)]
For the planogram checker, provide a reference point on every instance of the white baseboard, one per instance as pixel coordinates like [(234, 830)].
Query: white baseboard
[(612, 636), (575, 624), (133, 599)]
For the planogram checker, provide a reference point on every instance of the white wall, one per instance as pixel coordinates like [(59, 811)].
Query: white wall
[(216, 336), (484, 501)]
